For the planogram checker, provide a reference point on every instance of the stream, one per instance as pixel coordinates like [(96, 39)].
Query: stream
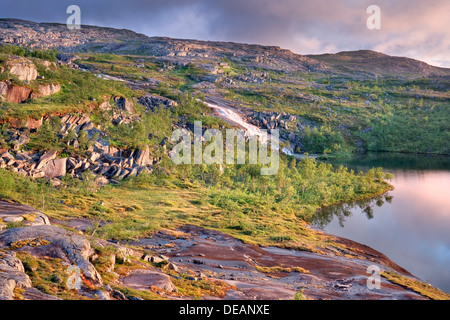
[(232, 116)]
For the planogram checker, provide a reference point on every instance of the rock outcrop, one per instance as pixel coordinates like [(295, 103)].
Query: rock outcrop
[(152, 101), (14, 93), (12, 275), (45, 90), (253, 77), (23, 68), (55, 168), (55, 242), (46, 158), (142, 157), (18, 213), (18, 94)]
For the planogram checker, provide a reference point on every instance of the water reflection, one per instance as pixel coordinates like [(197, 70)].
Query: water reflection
[(397, 162), (410, 224), (324, 216)]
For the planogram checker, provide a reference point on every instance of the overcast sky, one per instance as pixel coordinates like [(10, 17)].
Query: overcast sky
[(414, 28)]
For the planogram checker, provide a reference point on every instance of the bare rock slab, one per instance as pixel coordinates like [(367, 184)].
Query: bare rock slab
[(55, 242), (143, 279), (15, 212), (35, 294)]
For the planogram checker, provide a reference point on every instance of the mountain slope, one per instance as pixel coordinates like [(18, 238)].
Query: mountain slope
[(109, 40)]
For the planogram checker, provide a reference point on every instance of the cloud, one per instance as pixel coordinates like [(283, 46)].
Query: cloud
[(414, 28)]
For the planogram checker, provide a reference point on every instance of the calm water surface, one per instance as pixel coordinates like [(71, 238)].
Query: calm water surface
[(410, 224)]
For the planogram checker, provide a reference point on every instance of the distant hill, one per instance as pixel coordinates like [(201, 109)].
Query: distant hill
[(376, 64)]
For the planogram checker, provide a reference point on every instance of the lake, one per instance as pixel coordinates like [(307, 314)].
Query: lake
[(410, 224)]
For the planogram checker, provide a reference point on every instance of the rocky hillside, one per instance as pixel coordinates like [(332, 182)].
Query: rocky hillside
[(50, 35), (355, 64), (98, 39), (335, 110)]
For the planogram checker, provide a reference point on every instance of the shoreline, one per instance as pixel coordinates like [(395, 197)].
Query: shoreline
[(267, 272)]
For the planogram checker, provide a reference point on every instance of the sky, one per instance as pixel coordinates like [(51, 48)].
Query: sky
[(417, 29)]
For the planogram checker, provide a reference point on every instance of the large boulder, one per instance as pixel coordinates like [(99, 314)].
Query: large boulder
[(54, 242), (75, 122), (55, 168), (142, 157), (144, 279), (124, 104), (46, 90), (101, 146), (33, 124), (23, 68), (46, 158)]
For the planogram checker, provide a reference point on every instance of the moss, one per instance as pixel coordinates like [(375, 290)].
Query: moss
[(201, 287), (43, 271), (32, 243), (29, 217), (18, 293), (420, 287), (145, 295), (278, 269)]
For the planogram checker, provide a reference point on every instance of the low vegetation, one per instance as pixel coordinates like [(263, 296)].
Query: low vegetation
[(49, 55), (281, 269), (49, 276), (254, 208)]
